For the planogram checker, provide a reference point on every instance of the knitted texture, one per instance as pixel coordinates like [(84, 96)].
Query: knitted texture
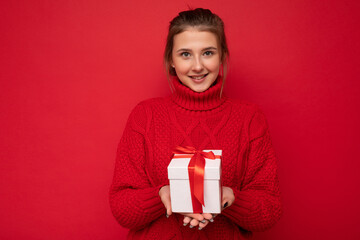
[(204, 121)]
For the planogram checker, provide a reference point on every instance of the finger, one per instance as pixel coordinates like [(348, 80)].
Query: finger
[(213, 216), (186, 220), (228, 197), (225, 204), (167, 204), (193, 223), (165, 198), (168, 209), (224, 201), (203, 224), (207, 216), (196, 216)]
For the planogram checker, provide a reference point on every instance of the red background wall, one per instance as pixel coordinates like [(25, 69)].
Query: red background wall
[(71, 71)]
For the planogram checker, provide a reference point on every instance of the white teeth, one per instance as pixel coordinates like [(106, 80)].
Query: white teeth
[(198, 78)]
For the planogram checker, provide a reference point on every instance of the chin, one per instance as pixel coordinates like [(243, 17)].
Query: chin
[(203, 87), (200, 88)]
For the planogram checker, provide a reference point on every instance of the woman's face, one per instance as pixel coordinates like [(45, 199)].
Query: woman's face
[(196, 58)]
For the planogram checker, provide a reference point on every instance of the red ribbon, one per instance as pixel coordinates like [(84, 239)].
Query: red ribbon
[(196, 169)]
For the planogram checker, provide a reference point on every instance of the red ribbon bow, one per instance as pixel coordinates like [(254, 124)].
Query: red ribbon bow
[(196, 169)]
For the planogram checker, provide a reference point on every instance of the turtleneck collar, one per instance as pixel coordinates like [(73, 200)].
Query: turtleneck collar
[(188, 99)]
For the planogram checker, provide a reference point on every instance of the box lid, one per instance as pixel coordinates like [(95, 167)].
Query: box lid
[(178, 167)]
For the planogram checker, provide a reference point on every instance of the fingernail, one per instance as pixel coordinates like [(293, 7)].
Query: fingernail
[(200, 228), (167, 216), (203, 221), (185, 224), (191, 226), (226, 204), (211, 220)]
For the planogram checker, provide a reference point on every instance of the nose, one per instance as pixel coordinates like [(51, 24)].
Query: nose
[(197, 65)]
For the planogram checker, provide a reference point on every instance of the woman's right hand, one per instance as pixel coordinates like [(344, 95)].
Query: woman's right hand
[(164, 194), (194, 219)]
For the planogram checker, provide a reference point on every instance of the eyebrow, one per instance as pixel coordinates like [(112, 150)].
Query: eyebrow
[(189, 50)]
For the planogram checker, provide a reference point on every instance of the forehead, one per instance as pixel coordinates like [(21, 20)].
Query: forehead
[(194, 39)]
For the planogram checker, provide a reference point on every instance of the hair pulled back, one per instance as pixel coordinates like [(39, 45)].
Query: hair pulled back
[(203, 20)]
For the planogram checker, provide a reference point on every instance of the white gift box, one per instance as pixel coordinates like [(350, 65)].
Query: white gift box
[(180, 192)]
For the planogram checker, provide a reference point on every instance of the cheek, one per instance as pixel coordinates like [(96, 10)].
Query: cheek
[(213, 65), (181, 67)]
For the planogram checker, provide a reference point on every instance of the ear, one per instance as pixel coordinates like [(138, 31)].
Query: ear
[(171, 64)]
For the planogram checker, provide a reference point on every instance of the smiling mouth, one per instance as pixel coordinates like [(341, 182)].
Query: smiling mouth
[(199, 77)]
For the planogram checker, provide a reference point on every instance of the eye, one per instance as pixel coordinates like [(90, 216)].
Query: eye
[(185, 54), (208, 53)]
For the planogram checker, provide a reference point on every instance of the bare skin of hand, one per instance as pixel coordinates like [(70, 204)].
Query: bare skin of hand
[(197, 219), (194, 219), (164, 194)]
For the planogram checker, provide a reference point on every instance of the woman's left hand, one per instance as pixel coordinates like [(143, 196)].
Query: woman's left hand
[(228, 197)]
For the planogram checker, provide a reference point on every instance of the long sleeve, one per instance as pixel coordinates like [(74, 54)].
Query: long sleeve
[(257, 205), (133, 200)]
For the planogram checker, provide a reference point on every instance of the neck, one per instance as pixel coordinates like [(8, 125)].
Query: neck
[(198, 101)]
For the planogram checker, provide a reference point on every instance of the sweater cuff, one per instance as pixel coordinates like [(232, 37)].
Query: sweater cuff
[(151, 201), (241, 206)]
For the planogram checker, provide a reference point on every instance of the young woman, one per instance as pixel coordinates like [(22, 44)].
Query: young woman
[(197, 114)]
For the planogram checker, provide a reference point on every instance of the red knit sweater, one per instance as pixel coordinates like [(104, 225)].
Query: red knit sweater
[(204, 121)]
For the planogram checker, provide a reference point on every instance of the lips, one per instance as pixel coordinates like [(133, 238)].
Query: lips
[(198, 77)]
